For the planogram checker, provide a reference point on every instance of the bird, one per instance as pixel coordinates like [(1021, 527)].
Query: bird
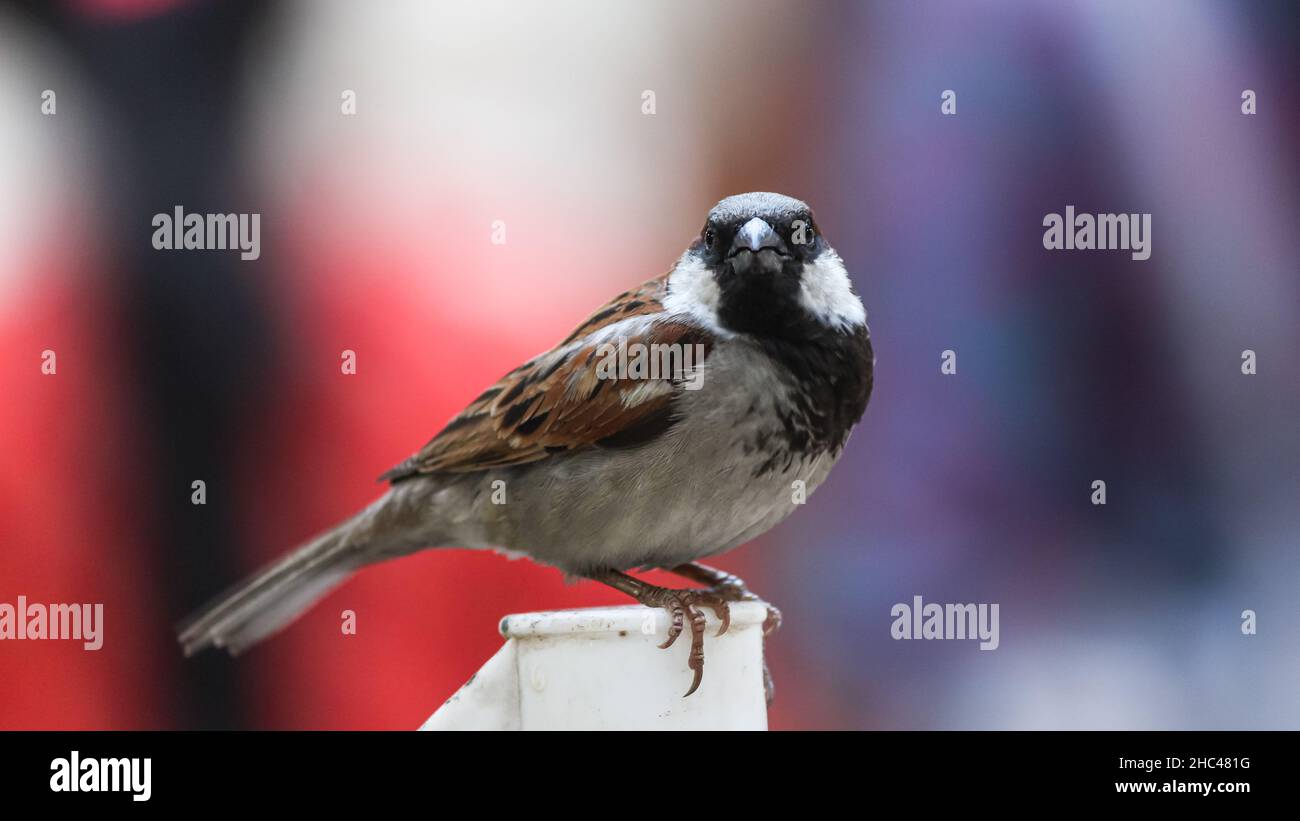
[(592, 460)]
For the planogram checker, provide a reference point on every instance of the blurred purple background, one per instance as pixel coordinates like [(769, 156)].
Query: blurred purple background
[(973, 487)]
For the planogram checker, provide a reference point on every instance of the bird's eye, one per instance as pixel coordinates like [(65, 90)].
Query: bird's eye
[(803, 232), (709, 238)]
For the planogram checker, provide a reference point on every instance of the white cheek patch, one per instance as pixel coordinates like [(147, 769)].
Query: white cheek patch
[(825, 292), (693, 291)]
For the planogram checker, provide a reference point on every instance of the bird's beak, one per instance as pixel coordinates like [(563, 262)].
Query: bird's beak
[(756, 235)]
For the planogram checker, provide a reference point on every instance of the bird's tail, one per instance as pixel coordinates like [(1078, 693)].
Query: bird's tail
[(274, 596)]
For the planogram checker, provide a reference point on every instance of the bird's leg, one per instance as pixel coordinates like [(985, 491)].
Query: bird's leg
[(680, 604), (729, 588), (732, 588)]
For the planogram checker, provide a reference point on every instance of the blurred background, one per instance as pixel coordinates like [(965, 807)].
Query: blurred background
[(376, 237)]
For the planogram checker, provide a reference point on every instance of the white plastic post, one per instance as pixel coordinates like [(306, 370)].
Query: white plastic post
[(600, 669)]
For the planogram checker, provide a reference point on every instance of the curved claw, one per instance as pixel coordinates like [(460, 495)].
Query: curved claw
[(722, 610), (678, 613), (696, 661), (724, 588), (695, 685)]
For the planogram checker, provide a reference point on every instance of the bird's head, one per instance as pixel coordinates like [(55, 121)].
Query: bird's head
[(761, 266)]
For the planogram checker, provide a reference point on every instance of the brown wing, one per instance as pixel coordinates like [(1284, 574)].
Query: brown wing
[(561, 401)]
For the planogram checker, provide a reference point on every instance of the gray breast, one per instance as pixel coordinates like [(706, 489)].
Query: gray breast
[(700, 489)]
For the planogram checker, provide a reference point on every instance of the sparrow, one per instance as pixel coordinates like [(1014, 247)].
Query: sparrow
[(580, 460)]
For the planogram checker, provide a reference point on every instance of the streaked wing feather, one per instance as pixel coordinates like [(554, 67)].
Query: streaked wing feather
[(556, 402)]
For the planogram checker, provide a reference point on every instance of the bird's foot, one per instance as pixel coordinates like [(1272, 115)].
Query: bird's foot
[(729, 588), (681, 606)]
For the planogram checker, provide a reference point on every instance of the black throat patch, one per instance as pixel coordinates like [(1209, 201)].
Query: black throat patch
[(759, 294), (831, 374)]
